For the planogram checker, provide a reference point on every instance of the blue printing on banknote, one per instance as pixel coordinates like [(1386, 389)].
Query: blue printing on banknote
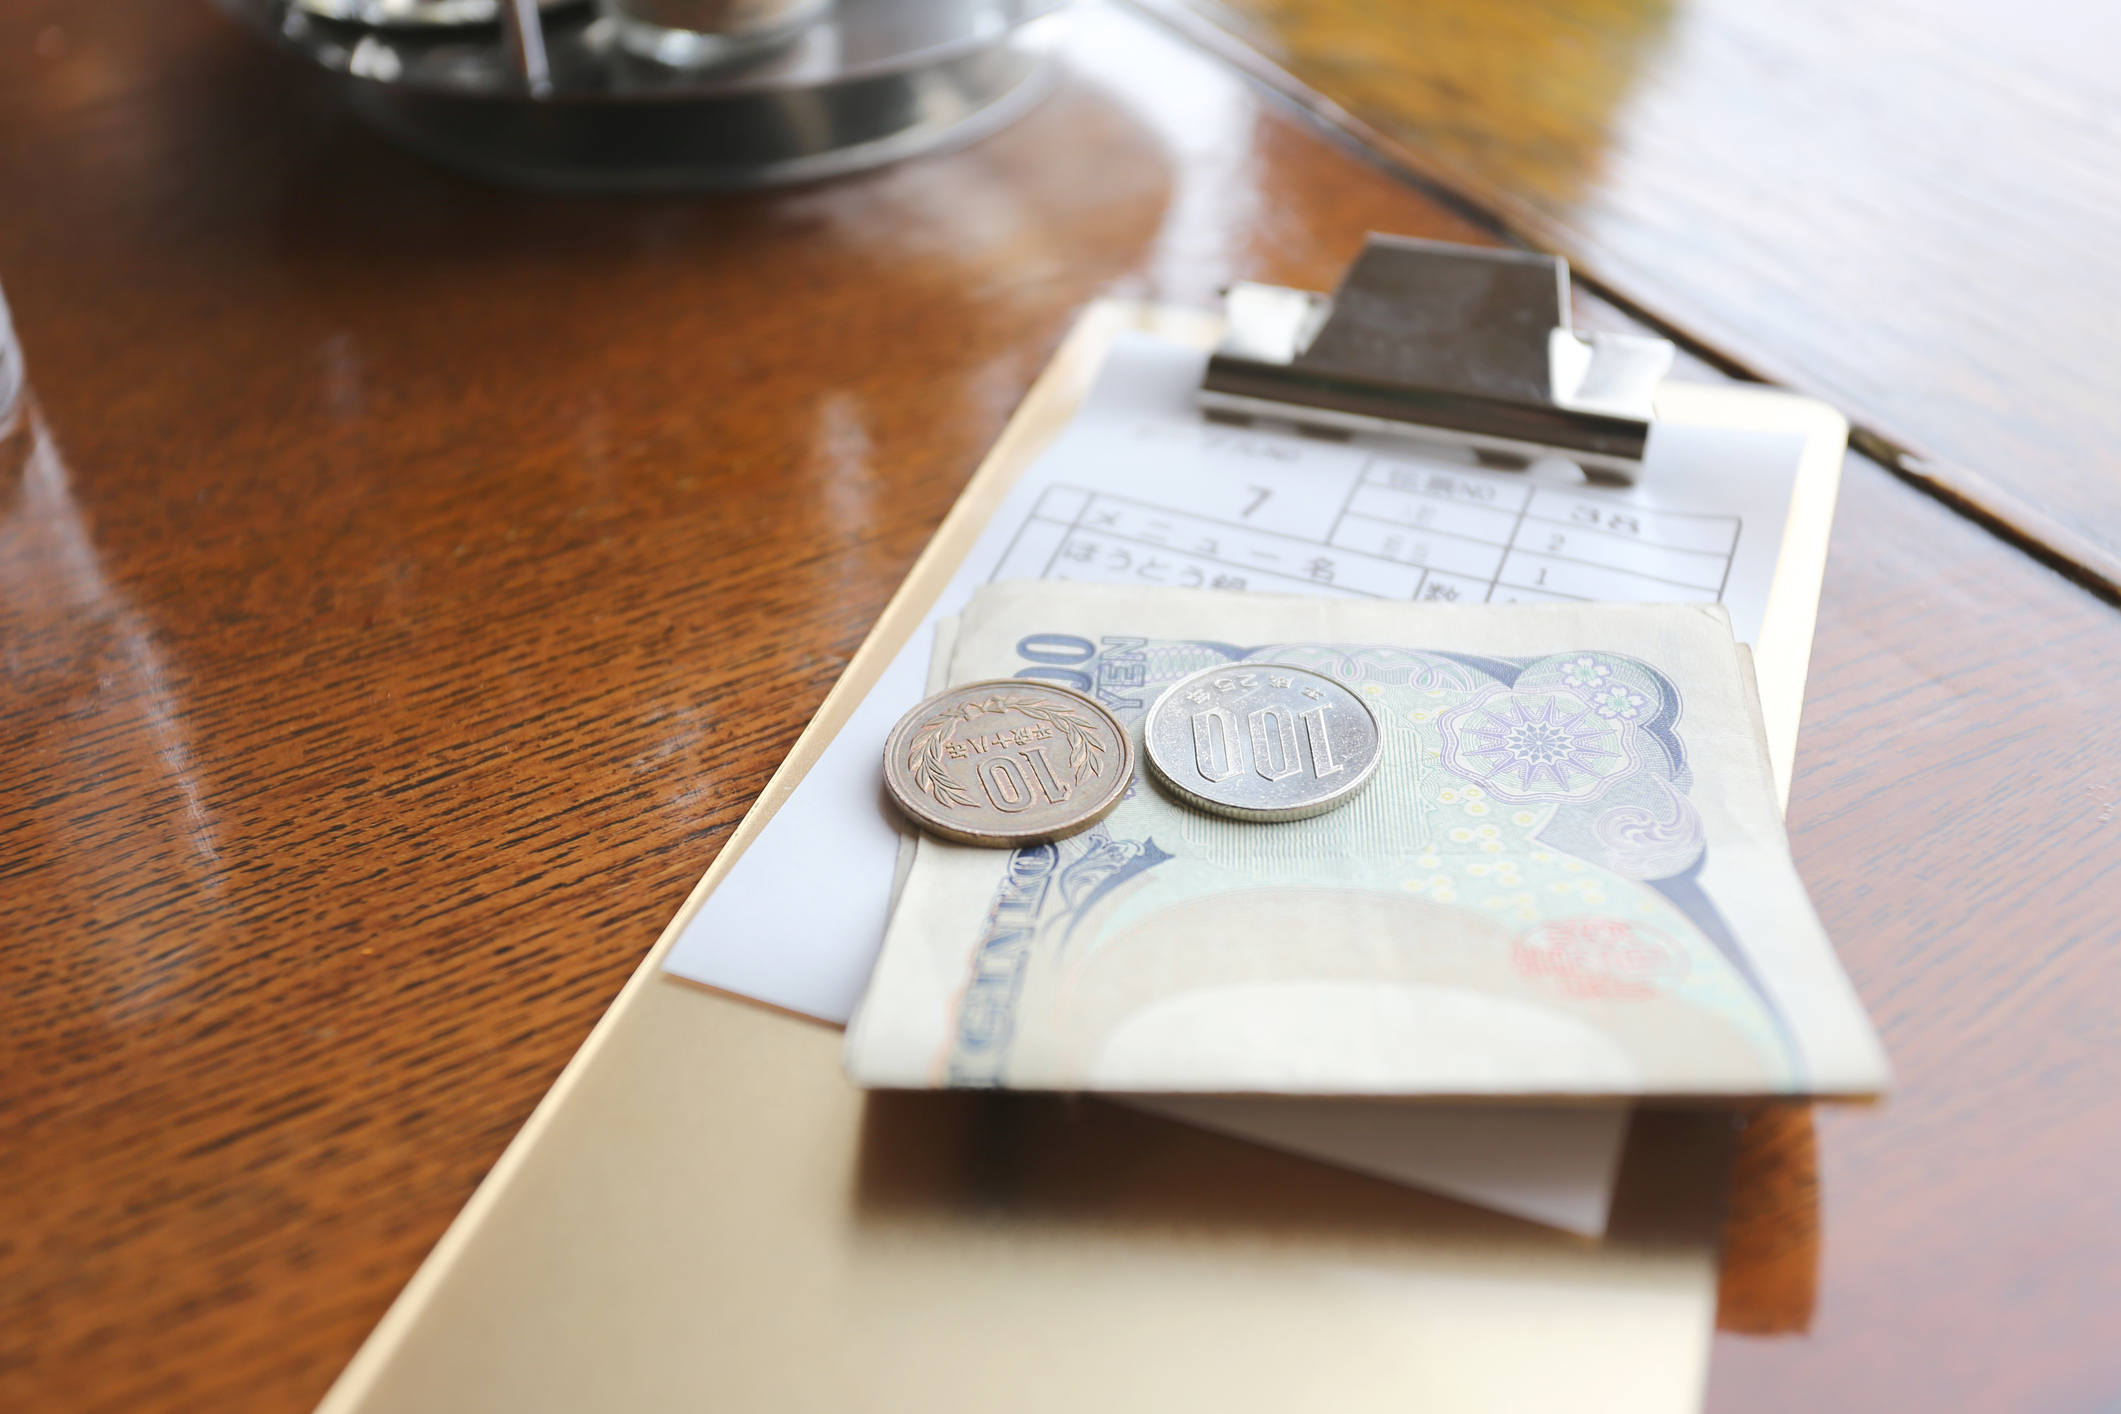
[(1577, 757)]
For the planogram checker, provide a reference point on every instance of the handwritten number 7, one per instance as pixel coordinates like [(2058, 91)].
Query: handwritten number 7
[(1257, 501)]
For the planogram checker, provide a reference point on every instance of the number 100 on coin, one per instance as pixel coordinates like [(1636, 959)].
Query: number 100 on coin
[(1263, 742)]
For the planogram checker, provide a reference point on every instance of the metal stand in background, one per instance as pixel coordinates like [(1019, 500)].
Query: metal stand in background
[(548, 97)]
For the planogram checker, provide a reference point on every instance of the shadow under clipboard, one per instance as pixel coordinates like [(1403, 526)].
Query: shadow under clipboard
[(929, 1158), (992, 1155)]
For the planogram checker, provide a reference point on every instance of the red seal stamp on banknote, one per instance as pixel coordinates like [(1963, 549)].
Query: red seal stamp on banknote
[(1600, 957)]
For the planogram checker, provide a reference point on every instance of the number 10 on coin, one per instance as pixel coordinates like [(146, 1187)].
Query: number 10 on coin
[(1007, 763)]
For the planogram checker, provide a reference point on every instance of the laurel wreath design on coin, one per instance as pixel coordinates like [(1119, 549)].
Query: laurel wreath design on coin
[(924, 753)]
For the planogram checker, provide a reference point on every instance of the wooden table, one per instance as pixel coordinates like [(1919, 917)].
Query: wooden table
[(408, 584), (1904, 206)]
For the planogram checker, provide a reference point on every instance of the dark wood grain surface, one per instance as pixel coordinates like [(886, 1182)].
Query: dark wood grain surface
[(406, 585), (1908, 207)]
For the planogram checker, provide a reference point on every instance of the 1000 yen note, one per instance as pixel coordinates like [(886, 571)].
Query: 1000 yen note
[(1569, 876)]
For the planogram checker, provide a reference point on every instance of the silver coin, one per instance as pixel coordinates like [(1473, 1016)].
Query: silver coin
[(1008, 762), (1262, 741)]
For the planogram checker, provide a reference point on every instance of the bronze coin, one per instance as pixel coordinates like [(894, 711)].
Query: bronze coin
[(1008, 762)]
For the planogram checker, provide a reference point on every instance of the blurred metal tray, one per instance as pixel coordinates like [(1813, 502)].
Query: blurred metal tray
[(570, 109)]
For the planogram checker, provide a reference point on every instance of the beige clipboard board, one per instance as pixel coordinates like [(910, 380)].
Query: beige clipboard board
[(703, 1214)]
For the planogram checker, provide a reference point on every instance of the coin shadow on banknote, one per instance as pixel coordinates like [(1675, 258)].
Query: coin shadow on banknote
[(932, 1158)]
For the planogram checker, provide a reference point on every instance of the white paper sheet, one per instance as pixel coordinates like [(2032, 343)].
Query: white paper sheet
[(1140, 489), (1552, 1165)]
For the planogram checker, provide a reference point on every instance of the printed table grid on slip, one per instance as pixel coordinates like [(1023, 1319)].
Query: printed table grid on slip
[(1404, 531)]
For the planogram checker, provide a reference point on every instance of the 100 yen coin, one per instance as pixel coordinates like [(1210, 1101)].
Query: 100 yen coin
[(1008, 762), (1262, 741)]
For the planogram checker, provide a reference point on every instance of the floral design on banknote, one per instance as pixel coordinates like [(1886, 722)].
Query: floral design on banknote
[(1527, 748), (1529, 838), (1643, 842)]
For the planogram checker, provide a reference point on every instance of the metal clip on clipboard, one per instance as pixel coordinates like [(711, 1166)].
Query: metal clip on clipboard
[(1447, 343)]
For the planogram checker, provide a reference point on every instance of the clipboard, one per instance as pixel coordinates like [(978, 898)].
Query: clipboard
[(702, 1213)]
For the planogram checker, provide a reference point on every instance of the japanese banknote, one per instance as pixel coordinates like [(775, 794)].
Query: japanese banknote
[(1569, 877)]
